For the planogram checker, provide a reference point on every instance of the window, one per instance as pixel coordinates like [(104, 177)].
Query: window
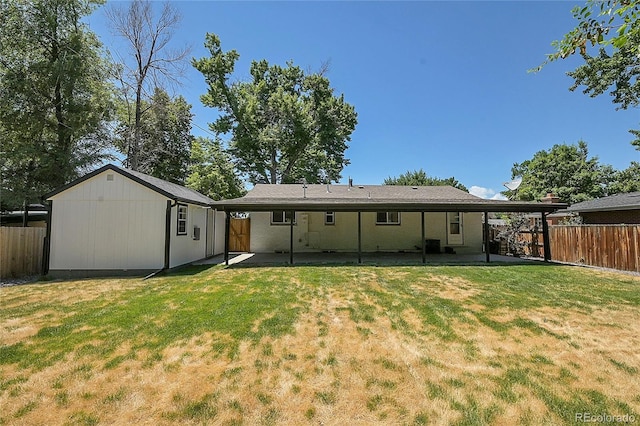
[(280, 217), (387, 218), (454, 223), (330, 218), (182, 219)]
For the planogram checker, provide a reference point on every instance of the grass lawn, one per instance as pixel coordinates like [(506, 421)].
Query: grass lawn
[(532, 344)]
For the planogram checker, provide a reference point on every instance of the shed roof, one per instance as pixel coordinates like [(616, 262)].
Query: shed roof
[(163, 187), (628, 201), (313, 197)]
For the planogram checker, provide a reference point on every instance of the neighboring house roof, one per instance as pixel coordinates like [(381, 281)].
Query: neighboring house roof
[(628, 201), (265, 197), (168, 189)]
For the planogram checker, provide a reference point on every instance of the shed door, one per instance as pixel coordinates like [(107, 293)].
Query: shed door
[(454, 229), (239, 232)]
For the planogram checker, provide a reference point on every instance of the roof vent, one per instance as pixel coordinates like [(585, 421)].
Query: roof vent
[(414, 187), (360, 186), (110, 177)]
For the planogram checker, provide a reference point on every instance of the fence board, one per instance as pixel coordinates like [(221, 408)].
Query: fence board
[(21, 251), (608, 246)]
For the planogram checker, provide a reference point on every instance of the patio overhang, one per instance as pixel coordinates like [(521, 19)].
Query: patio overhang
[(361, 205), (374, 205)]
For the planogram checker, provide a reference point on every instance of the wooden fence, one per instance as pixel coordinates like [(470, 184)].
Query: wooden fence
[(21, 251), (608, 246)]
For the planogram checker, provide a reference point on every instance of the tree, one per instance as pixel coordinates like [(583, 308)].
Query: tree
[(599, 23), (627, 180), (211, 172), (56, 100), (165, 137), (612, 26), (565, 170), (151, 63), (284, 125), (420, 178)]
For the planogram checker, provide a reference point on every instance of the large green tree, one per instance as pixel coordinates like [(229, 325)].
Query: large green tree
[(284, 125), (627, 180), (613, 28), (566, 171), (420, 178), (56, 101), (164, 136), (211, 171)]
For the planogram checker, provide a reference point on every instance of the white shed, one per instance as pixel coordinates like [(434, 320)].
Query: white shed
[(118, 221)]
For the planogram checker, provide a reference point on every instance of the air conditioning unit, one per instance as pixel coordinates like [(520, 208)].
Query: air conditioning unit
[(196, 232)]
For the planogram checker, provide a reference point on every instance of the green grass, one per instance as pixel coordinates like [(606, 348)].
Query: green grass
[(434, 310)]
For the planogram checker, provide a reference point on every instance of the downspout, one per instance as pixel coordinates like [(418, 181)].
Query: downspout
[(46, 257), (167, 234), (167, 240)]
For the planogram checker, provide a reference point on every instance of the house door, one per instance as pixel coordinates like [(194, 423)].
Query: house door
[(454, 229), (239, 231)]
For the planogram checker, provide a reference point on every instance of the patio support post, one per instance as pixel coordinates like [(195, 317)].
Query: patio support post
[(424, 248), (487, 248), (293, 216), (227, 228), (545, 238), (359, 237)]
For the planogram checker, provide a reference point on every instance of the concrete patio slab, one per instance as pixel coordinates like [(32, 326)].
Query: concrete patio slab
[(277, 259)]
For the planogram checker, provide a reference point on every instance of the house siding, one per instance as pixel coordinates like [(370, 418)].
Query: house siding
[(107, 225), (184, 248), (311, 233)]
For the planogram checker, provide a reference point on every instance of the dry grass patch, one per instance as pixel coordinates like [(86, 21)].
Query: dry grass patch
[(334, 345)]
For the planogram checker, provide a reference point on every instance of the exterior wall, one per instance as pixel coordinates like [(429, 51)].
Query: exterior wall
[(107, 225), (184, 248), (611, 217), (218, 245), (311, 233)]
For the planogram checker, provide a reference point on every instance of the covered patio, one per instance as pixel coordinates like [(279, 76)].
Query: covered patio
[(367, 199)]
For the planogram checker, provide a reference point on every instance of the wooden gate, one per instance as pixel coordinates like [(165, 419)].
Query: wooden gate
[(239, 232)]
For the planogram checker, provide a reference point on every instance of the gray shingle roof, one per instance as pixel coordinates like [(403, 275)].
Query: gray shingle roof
[(265, 197), (168, 189), (358, 192), (628, 201)]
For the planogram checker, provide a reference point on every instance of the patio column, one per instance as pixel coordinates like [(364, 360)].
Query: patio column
[(359, 237), (424, 248), (487, 249), (227, 227), (293, 216), (545, 237)]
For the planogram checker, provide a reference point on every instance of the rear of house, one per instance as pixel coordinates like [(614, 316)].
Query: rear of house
[(383, 231)]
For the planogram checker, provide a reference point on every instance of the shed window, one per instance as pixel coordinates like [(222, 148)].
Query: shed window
[(182, 219), (330, 218), (280, 217), (388, 218)]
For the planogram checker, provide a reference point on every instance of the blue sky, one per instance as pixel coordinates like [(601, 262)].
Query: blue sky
[(441, 86)]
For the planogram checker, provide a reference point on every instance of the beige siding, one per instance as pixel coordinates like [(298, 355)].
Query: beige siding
[(218, 245), (311, 233), (184, 248), (102, 224)]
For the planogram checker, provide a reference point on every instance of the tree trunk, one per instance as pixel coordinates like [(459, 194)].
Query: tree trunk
[(135, 148)]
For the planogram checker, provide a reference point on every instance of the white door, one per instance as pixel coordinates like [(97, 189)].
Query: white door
[(454, 229)]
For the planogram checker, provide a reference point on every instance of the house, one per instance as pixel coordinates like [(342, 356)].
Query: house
[(368, 218), (118, 221), (614, 209)]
